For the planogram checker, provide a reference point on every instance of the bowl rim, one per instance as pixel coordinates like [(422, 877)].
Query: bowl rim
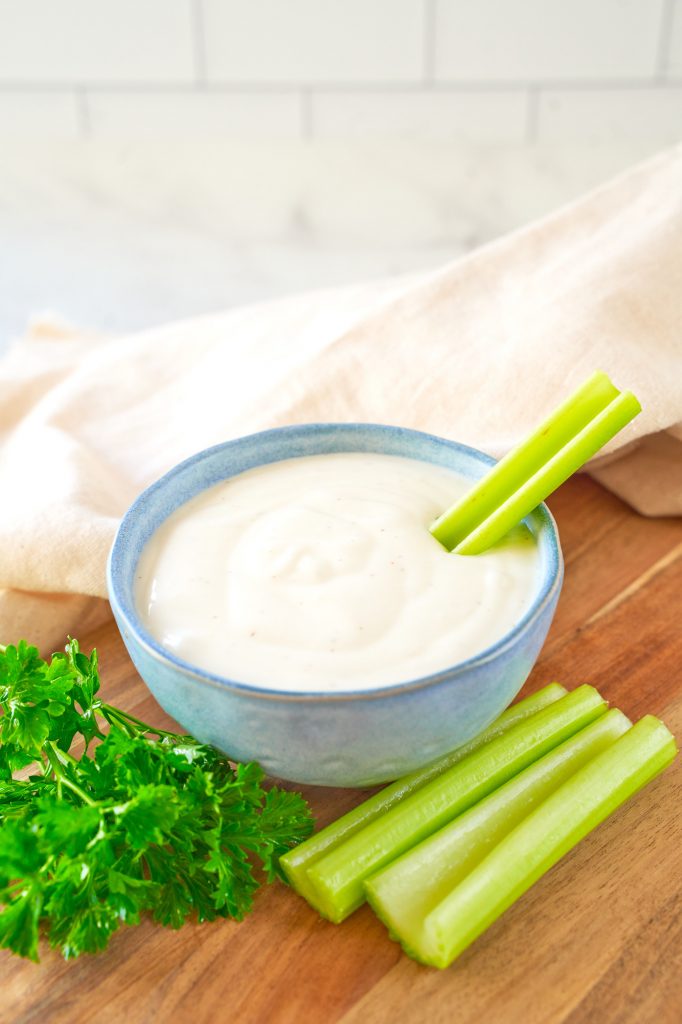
[(126, 613)]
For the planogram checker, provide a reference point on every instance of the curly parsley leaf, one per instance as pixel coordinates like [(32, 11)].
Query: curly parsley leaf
[(143, 821)]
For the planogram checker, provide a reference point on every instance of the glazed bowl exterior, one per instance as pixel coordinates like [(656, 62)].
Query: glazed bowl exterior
[(355, 738)]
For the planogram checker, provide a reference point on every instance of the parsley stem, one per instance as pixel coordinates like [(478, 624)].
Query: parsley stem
[(113, 718), (53, 756), (64, 757), (124, 718)]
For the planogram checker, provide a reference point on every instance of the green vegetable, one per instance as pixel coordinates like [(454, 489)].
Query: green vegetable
[(337, 877), (407, 890), (296, 862), (571, 435), (144, 820), (550, 831)]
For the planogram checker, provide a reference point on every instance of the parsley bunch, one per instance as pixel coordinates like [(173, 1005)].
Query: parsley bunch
[(143, 820)]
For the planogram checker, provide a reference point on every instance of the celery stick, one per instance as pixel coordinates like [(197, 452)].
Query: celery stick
[(525, 460), (407, 890), (550, 831), (297, 861), (571, 457), (337, 878)]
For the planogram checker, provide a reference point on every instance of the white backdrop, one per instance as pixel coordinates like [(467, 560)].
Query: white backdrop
[(466, 70), (160, 158)]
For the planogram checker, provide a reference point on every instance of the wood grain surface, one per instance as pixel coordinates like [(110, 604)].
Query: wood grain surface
[(598, 940)]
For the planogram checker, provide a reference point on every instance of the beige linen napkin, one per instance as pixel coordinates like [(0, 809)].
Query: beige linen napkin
[(479, 351)]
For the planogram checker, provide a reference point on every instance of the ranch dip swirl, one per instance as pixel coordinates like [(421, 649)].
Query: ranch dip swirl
[(319, 573)]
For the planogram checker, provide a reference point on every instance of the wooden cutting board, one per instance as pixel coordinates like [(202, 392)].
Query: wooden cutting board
[(597, 941)]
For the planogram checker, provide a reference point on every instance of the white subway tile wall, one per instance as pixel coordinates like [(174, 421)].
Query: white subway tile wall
[(470, 71), (547, 40), (611, 115), (311, 41), (494, 116), (194, 114), (96, 41)]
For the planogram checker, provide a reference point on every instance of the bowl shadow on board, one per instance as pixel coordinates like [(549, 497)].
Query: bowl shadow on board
[(356, 738)]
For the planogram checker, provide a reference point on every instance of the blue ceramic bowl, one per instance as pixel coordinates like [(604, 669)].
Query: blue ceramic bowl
[(355, 738)]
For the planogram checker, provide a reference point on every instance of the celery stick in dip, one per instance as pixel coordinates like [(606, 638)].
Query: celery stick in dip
[(320, 573)]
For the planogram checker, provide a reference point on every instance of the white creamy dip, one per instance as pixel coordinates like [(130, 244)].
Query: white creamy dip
[(319, 573)]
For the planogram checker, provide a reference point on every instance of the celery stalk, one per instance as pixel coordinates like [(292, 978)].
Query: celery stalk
[(407, 890), (550, 831), (499, 483), (297, 861), (570, 458), (337, 877)]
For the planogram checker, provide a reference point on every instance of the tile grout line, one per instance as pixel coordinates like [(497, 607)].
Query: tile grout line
[(461, 87), (199, 44), (624, 595), (429, 48), (663, 47)]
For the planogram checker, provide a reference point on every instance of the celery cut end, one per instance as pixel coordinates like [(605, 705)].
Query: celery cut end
[(334, 902), (297, 877)]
